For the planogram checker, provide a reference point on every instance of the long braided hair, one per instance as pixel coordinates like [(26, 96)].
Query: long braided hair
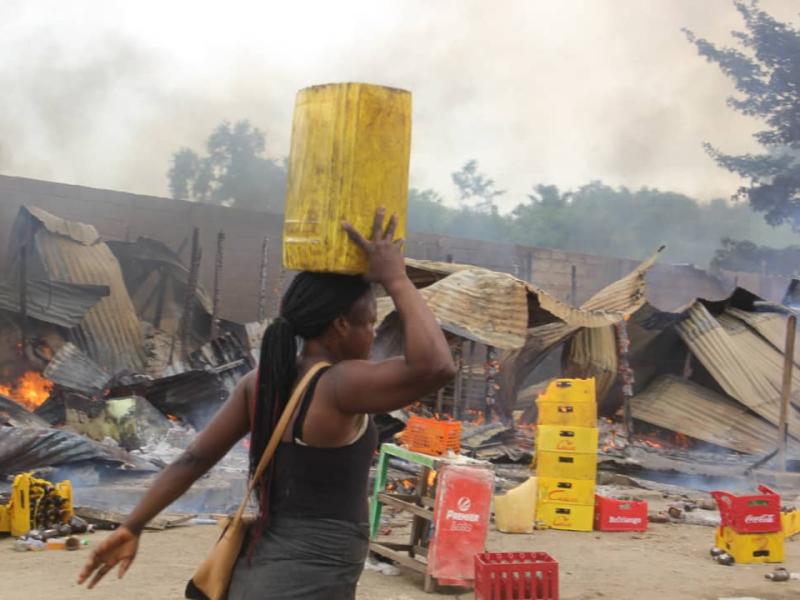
[(311, 303)]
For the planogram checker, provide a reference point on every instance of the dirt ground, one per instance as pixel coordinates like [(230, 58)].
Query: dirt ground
[(669, 562)]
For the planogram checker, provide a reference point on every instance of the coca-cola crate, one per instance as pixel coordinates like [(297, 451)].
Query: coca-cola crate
[(611, 514), (759, 513), (516, 576)]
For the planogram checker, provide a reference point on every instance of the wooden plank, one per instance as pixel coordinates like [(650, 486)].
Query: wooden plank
[(399, 558), (110, 517), (424, 501), (420, 511), (404, 547)]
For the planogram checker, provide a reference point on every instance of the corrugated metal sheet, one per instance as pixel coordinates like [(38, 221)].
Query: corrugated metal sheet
[(155, 275), (728, 360), (762, 355), (771, 326), (497, 308), (110, 332), (425, 272), (77, 232), (680, 405), (593, 353), (477, 304), (73, 369), (62, 304), (26, 448), (14, 415), (615, 301)]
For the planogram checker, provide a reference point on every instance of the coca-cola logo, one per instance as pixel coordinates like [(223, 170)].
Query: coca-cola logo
[(753, 519)]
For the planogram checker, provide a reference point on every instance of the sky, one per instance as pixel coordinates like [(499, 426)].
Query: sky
[(560, 92)]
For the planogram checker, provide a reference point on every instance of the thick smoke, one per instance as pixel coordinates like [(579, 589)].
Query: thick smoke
[(563, 92)]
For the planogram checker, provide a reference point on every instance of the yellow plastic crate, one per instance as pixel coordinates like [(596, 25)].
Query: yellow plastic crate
[(567, 414), (571, 391), (751, 547), (790, 523), (566, 491), (563, 438), (561, 465), (566, 516)]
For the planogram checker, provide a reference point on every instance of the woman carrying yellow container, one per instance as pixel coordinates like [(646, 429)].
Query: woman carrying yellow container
[(311, 540)]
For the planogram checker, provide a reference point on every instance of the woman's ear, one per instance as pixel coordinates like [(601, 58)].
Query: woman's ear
[(341, 325)]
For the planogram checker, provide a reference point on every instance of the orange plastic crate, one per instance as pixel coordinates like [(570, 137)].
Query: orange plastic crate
[(430, 436)]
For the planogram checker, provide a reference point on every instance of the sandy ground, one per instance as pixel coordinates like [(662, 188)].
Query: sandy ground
[(669, 562)]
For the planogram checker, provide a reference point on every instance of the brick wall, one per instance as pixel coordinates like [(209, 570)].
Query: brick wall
[(121, 215)]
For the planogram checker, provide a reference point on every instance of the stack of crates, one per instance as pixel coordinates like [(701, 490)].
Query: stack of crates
[(751, 529), (566, 454)]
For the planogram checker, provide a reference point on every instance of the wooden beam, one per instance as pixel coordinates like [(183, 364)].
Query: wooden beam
[(217, 301), (415, 509), (262, 282), (786, 392)]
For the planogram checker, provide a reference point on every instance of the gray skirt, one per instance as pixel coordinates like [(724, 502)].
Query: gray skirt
[(302, 559)]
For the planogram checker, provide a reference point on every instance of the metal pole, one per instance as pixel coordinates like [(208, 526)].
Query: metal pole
[(188, 306), (262, 282), (788, 364), (23, 298), (217, 282)]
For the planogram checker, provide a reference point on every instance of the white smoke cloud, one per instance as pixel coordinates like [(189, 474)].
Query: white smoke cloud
[(561, 92)]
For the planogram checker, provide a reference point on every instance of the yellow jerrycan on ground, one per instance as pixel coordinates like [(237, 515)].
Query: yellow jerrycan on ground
[(349, 155)]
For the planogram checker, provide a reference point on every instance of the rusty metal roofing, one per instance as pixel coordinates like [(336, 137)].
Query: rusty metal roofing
[(81, 233), (593, 353), (73, 369), (497, 308), (62, 304), (727, 355), (110, 332), (771, 326), (425, 272), (477, 304), (157, 283), (679, 405), (616, 301), (15, 415)]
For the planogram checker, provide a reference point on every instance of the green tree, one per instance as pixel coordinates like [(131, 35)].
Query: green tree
[(475, 189), (234, 172), (766, 73)]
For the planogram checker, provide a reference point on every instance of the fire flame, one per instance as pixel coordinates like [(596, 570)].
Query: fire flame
[(30, 390)]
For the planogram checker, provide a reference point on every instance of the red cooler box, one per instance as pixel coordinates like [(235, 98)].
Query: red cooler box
[(461, 522), (611, 514), (759, 513)]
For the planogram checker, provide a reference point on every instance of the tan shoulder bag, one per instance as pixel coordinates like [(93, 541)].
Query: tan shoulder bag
[(212, 578)]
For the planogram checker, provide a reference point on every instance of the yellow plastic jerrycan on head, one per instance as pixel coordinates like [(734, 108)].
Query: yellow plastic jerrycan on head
[(349, 155)]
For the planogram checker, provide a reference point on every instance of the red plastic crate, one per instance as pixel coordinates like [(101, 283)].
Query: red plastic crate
[(759, 513), (611, 514), (516, 576), (431, 436)]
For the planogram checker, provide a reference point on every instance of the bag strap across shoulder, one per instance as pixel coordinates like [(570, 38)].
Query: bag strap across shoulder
[(277, 433)]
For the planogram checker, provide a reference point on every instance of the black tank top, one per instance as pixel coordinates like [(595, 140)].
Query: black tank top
[(325, 483)]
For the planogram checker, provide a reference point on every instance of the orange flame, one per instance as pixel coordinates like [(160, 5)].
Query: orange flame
[(30, 390)]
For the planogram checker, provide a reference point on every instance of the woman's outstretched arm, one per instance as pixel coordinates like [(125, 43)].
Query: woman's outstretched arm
[(229, 425)]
